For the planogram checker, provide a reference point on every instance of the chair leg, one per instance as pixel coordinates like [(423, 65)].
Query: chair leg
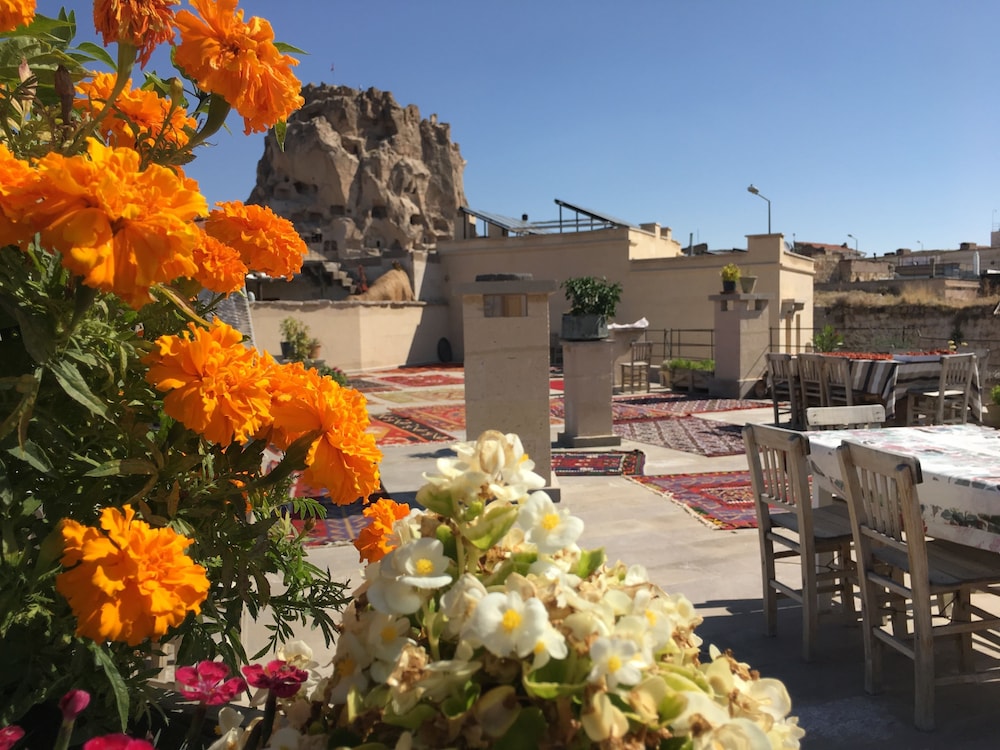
[(962, 612), (870, 619), (770, 593), (923, 669), (810, 606), (847, 579)]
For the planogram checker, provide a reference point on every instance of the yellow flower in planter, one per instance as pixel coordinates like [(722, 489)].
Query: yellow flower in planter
[(131, 582)]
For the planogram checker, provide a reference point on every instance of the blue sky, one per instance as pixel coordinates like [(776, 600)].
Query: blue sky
[(876, 118)]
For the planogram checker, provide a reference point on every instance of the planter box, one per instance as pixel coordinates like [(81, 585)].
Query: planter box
[(584, 327), (692, 381)]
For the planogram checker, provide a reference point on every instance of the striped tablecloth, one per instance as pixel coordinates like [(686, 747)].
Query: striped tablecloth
[(960, 493), (890, 379)]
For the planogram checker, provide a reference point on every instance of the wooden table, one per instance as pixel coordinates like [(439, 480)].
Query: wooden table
[(960, 492), (888, 380)]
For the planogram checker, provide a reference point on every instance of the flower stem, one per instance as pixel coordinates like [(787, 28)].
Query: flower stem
[(192, 740)]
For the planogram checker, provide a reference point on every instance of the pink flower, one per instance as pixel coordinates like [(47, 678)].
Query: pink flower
[(280, 677), (116, 742), (73, 703), (206, 682), (9, 736)]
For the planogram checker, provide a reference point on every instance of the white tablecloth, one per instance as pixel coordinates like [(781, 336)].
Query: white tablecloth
[(960, 493)]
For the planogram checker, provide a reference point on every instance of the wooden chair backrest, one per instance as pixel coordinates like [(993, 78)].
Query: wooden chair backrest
[(780, 369), (881, 491), (957, 371), (845, 417), (779, 473), (642, 351)]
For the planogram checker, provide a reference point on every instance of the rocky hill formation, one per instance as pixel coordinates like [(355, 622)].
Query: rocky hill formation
[(360, 174)]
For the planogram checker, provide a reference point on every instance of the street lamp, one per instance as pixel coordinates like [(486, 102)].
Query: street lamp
[(921, 244), (756, 192), (855, 241)]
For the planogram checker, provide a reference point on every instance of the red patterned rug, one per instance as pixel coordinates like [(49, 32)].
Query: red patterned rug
[(342, 524), (390, 428), (611, 463), (721, 499), (627, 408), (449, 417), (704, 437)]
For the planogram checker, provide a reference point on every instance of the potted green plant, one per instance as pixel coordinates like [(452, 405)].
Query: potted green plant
[(682, 374), (730, 275), (297, 345), (592, 302), (991, 413)]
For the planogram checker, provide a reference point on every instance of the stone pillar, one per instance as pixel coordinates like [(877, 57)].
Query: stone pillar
[(506, 339), (588, 381), (741, 340)]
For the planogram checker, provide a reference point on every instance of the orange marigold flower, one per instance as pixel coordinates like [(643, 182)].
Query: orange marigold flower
[(215, 385), (14, 13), (122, 229), (131, 581), (239, 62), (376, 539), (344, 458), (142, 23), (266, 242), (18, 194), (220, 268), (138, 117)]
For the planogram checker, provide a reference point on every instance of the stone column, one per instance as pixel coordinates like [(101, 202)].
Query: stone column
[(588, 382), (506, 339), (741, 340)]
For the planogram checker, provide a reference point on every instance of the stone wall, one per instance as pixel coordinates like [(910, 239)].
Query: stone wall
[(918, 327)]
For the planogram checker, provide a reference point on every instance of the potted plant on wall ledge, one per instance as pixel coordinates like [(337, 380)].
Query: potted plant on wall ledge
[(592, 302), (730, 275), (297, 345)]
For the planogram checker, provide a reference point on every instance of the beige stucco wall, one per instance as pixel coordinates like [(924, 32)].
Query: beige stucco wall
[(669, 289), (359, 336)]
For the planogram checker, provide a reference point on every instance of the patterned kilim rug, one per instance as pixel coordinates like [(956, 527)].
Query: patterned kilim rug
[(390, 428), (342, 524), (369, 386), (722, 499), (612, 463), (449, 417), (421, 380), (704, 437), (627, 408), (422, 396)]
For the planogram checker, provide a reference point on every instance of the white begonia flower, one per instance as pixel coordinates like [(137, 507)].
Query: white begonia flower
[(297, 653), (459, 602), (232, 735), (549, 528), (618, 660), (602, 720), (699, 709), (550, 645), (422, 564), (386, 635), (635, 575), (738, 734), (507, 624), (502, 458), (785, 735), (657, 614), (349, 663), (386, 593)]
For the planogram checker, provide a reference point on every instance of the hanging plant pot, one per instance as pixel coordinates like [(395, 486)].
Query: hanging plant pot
[(584, 327)]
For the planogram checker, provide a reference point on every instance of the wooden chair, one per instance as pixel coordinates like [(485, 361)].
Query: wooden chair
[(811, 374), (837, 387), (635, 373), (782, 381), (948, 401), (779, 473), (845, 417), (881, 489)]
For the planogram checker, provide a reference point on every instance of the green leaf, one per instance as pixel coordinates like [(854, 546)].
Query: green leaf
[(115, 679), (490, 527), (527, 730), (34, 455), (412, 719), (559, 677), (590, 560), (288, 49), (98, 53), (280, 128), (123, 467), (75, 386)]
